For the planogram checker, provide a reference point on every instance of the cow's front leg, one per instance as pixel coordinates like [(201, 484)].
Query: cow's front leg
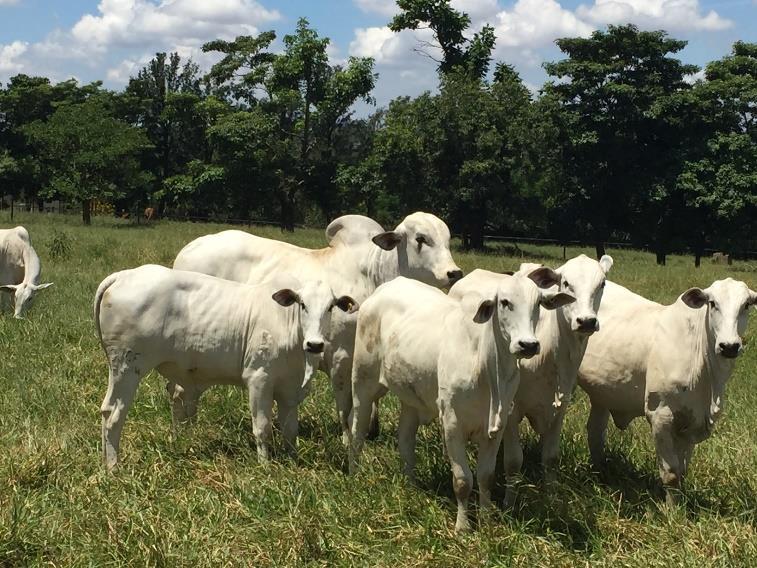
[(289, 423), (596, 428), (341, 383), (661, 420), (487, 462), (550, 448), (462, 478), (260, 391), (512, 458)]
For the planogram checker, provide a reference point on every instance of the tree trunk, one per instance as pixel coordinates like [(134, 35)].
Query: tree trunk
[(697, 258), (86, 211), (599, 246), (287, 212), (661, 257), (477, 236)]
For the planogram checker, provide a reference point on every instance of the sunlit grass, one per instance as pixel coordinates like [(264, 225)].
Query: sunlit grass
[(205, 500)]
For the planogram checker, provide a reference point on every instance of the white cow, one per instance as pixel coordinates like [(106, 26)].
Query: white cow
[(19, 268), (198, 331), (670, 363), (360, 257), (448, 358), (548, 379)]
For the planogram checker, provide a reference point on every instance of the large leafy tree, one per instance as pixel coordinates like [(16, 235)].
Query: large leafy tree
[(618, 156), (89, 154), (448, 25), (304, 97)]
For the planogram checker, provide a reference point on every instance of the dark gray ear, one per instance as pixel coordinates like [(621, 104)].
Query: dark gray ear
[(554, 301), (484, 312), (346, 304), (695, 298), (286, 297), (544, 277), (388, 240)]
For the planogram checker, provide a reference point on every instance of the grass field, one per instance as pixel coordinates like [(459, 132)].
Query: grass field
[(205, 500)]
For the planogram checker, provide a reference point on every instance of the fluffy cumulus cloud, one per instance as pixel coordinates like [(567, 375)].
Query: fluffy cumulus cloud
[(674, 15), (126, 23), (9, 55), (536, 23), (140, 27), (381, 7)]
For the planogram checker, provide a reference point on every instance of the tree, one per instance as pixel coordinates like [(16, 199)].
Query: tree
[(306, 96), (459, 54), (617, 155), (89, 153)]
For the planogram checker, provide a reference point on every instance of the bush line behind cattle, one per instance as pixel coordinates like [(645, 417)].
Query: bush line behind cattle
[(210, 499)]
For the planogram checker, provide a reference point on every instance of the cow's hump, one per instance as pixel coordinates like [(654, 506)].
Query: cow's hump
[(352, 229)]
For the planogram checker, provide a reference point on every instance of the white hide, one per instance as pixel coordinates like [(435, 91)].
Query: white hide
[(670, 363), (199, 331), (455, 359), (360, 257), (19, 268), (547, 380)]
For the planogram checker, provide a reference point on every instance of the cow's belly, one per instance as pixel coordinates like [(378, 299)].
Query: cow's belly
[(413, 385), (187, 372)]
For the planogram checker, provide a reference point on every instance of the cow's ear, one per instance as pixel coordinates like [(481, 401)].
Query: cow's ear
[(554, 301), (752, 298), (544, 277), (388, 240), (9, 286), (484, 311), (286, 297), (606, 263), (695, 298), (347, 304), (42, 286)]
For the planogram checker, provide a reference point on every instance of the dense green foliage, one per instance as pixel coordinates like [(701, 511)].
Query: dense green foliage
[(620, 144), (205, 501)]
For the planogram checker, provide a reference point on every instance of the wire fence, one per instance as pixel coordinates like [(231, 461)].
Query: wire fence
[(137, 216)]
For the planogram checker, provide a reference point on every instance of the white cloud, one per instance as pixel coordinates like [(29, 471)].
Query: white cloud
[(536, 23), (382, 7), (126, 23), (694, 77), (8, 57), (676, 15), (8, 2)]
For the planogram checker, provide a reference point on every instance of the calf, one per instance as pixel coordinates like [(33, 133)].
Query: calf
[(360, 256), (548, 379), (455, 359), (19, 268), (670, 363), (198, 331)]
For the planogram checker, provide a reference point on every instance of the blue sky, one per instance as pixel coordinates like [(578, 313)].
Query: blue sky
[(112, 39)]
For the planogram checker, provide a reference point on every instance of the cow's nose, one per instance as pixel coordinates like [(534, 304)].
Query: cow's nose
[(314, 346), (729, 350), (528, 348), (454, 275), (587, 324)]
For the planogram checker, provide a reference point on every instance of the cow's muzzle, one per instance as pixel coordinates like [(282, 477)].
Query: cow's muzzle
[(729, 350), (587, 325), (527, 349), (314, 346), (454, 276)]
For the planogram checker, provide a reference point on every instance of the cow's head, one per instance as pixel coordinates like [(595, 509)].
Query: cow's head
[(422, 243), (315, 301), (727, 303), (22, 294), (515, 307), (584, 279)]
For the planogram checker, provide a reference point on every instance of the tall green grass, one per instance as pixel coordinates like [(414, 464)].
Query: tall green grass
[(204, 500)]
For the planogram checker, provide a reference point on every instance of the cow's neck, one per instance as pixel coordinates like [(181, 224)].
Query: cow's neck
[(569, 349), (707, 371), (31, 265), (379, 266)]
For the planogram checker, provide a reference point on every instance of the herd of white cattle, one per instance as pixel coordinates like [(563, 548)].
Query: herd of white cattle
[(369, 310)]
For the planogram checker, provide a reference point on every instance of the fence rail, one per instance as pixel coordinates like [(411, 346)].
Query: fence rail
[(64, 208)]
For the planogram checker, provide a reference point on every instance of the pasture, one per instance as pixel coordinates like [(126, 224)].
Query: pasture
[(204, 500)]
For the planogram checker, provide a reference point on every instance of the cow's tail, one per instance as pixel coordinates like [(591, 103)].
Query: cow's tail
[(101, 289)]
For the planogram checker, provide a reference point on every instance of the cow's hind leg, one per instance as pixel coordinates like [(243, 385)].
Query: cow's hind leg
[(184, 401), (661, 420), (596, 428), (375, 428), (340, 373), (487, 462), (407, 433), (123, 381)]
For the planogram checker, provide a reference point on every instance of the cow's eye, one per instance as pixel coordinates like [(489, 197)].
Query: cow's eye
[(603, 284), (421, 240), (566, 283), (712, 304), (303, 306), (505, 303)]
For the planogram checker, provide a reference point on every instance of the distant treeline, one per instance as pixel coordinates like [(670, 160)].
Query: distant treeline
[(621, 144)]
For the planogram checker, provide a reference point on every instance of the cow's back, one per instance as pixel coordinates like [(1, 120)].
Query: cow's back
[(13, 243)]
